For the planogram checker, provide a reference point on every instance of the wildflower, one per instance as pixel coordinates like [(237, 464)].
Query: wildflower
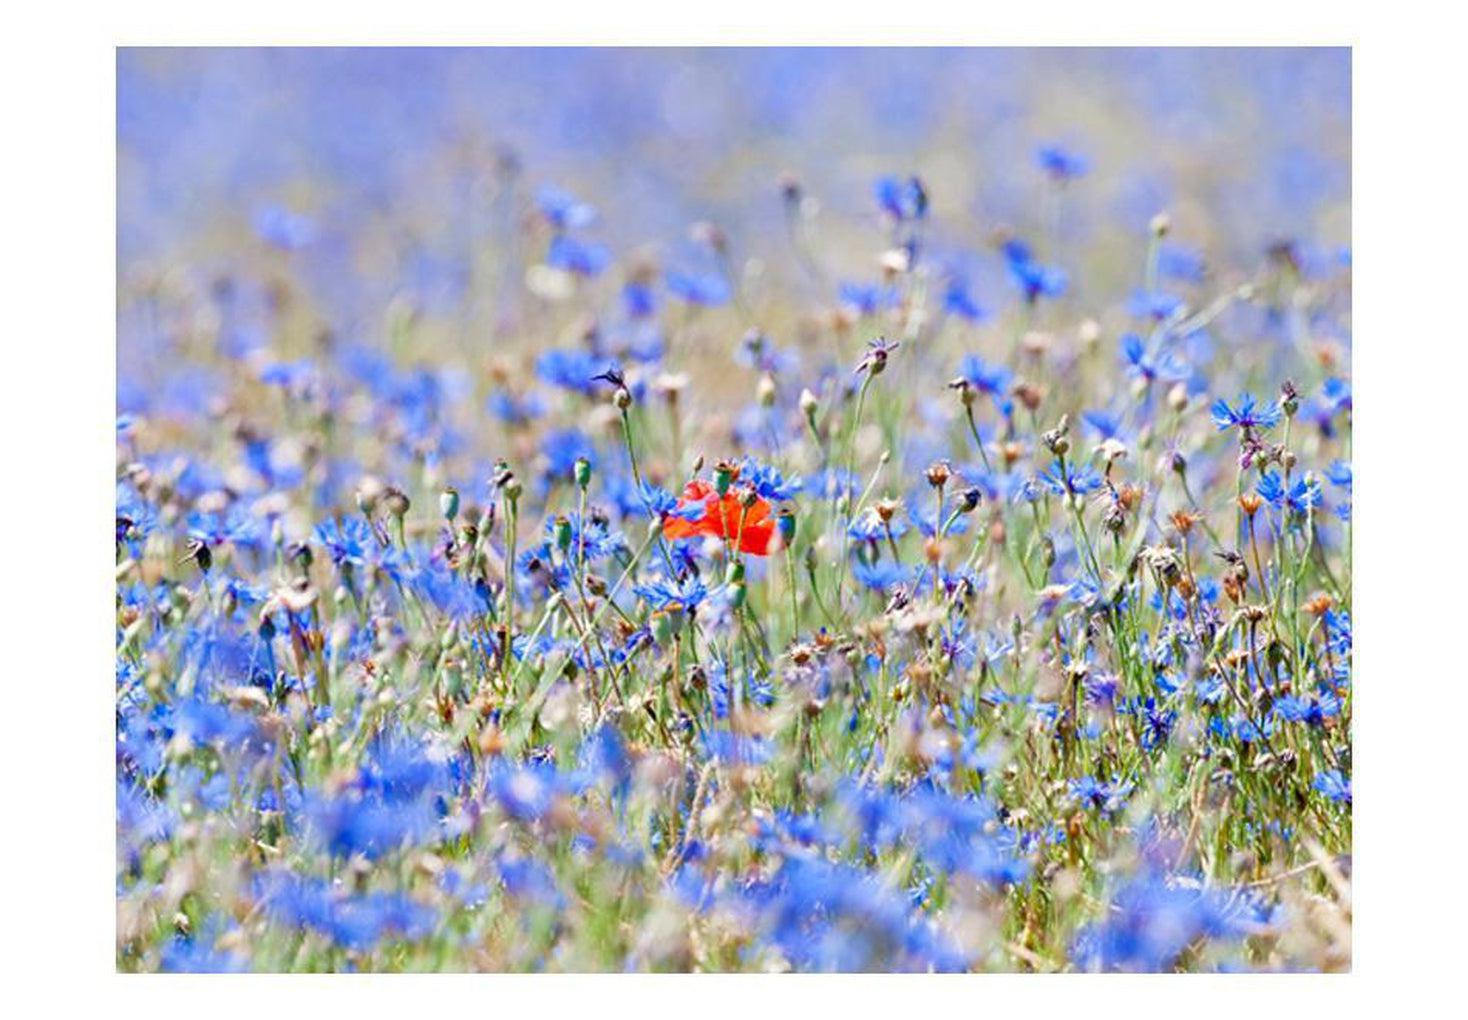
[(563, 210), (572, 369), (1034, 279), (582, 258), (726, 517), (868, 299), (1071, 479), (685, 595), (902, 199), (958, 301), (1061, 164), (991, 380), (1247, 415), (875, 359), (1334, 785), (1300, 498), (708, 290)]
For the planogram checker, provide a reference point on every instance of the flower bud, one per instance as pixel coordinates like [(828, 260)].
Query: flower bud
[(582, 473), (765, 393), (724, 474), (785, 520), (809, 406), (448, 503)]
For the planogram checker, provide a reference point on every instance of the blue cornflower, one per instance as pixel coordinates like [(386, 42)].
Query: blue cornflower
[(1300, 498), (881, 576), (562, 449), (958, 301), (767, 480), (527, 792), (1103, 795), (1165, 364), (1292, 708), (1104, 424), (584, 258), (1071, 479), (1034, 279), (993, 380), (709, 290), (685, 594), (563, 210), (529, 879), (1177, 262), (353, 824), (1157, 722), (515, 409), (1336, 394), (1061, 164), (869, 527), (1249, 414), (902, 199), (570, 369), (236, 525), (290, 375), (868, 298), (1154, 304), (347, 540), (659, 502), (354, 922), (1152, 919), (737, 748), (1335, 785), (755, 350), (595, 538), (638, 300)]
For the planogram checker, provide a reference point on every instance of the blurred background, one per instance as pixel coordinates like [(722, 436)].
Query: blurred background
[(281, 193)]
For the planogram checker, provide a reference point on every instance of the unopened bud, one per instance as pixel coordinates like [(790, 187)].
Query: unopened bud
[(765, 392)]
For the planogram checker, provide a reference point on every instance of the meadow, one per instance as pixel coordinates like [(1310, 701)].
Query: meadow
[(759, 511)]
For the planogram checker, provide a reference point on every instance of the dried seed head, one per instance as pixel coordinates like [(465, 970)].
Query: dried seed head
[(1056, 440), (395, 502), (1030, 395), (965, 390)]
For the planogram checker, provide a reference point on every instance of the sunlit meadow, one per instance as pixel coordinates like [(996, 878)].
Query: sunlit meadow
[(763, 510)]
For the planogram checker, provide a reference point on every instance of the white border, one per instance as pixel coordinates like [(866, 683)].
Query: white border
[(57, 245)]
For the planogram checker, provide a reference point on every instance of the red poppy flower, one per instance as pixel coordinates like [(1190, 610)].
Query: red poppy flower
[(725, 517)]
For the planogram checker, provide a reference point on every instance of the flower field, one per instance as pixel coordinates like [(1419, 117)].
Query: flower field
[(733, 511)]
